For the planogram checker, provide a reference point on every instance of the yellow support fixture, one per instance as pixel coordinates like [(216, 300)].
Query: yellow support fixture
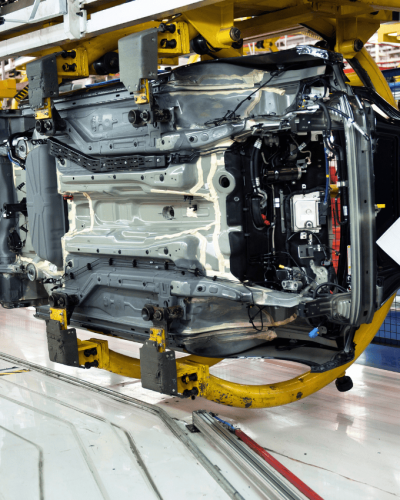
[(8, 88), (275, 21), (193, 371), (389, 33), (171, 45), (215, 23), (375, 75), (158, 335), (59, 315), (144, 92), (354, 79), (264, 396), (73, 64), (45, 112), (21, 94), (107, 360)]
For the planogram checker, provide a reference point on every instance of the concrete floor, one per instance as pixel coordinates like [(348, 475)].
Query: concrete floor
[(342, 445)]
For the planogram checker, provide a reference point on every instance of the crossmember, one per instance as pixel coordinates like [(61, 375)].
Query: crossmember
[(106, 163)]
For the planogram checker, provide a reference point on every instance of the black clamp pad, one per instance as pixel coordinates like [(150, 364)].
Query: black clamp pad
[(158, 369), (43, 80), (62, 344)]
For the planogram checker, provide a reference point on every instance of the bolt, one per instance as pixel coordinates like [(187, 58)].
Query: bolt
[(158, 315), (234, 33)]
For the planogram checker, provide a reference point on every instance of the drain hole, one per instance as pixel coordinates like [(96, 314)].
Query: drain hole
[(224, 181), (168, 212)]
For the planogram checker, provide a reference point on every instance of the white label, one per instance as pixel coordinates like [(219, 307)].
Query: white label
[(390, 241)]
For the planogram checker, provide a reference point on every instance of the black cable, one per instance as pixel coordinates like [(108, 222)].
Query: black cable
[(328, 283), (326, 113), (339, 112), (252, 318), (231, 115), (300, 269)]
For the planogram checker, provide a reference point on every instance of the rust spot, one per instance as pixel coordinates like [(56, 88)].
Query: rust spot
[(247, 402), (298, 395)]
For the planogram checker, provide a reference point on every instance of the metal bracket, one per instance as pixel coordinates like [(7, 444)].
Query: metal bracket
[(138, 58), (158, 369), (62, 343), (43, 80)]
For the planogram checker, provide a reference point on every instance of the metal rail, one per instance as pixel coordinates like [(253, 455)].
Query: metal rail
[(155, 410), (271, 484)]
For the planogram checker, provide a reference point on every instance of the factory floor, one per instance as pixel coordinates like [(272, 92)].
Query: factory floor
[(342, 445)]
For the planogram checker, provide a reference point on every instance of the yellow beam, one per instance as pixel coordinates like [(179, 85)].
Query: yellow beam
[(375, 74), (215, 23), (265, 396), (8, 88), (389, 33), (276, 21), (230, 393)]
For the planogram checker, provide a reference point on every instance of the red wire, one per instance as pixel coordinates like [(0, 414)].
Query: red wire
[(298, 483)]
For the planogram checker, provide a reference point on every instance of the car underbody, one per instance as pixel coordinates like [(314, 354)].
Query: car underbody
[(210, 210)]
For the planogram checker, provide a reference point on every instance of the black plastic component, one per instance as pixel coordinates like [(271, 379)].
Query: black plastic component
[(258, 221), (171, 28), (344, 384), (283, 174), (71, 54), (187, 393), (168, 44), (90, 352), (162, 115), (89, 364), (200, 46), (108, 63), (14, 242), (69, 67), (148, 313), (139, 118), (7, 256), (10, 210)]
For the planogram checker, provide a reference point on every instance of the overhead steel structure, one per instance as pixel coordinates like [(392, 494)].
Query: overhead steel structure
[(74, 39)]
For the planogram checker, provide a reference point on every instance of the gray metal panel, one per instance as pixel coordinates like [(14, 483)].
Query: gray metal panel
[(138, 58), (45, 205)]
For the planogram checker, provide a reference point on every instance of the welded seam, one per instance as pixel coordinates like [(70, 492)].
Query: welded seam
[(41, 459)]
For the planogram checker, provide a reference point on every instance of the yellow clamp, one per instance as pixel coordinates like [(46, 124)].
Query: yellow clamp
[(73, 65), (59, 315), (144, 92), (158, 335), (191, 375), (171, 45), (45, 112)]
